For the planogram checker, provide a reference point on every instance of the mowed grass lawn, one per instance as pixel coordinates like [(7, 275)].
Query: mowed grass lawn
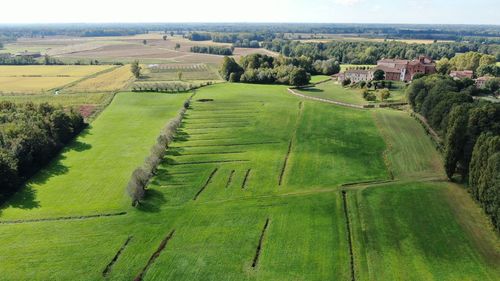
[(90, 175), (410, 153), (41, 78), (421, 231)]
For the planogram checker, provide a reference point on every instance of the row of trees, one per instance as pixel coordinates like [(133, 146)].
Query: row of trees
[(30, 135), (470, 130), (214, 50), (136, 187), (167, 87), (365, 52), (28, 60)]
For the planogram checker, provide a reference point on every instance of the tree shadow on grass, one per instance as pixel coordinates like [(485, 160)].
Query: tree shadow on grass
[(153, 200), (311, 90), (25, 197)]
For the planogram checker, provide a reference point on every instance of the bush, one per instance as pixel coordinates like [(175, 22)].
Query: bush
[(136, 187), (346, 82)]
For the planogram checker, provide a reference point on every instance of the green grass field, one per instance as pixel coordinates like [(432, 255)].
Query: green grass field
[(90, 175), (334, 91), (410, 232), (246, 155)]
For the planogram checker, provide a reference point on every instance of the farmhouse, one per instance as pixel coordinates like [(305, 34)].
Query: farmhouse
[(356, 75), (481, 81), (461, 74), (394, 69), (404, 70)]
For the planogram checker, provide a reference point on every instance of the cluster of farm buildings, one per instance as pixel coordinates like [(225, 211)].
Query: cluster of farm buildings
[(404, 70)]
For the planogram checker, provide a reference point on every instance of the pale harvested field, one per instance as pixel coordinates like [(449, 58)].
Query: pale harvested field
[(40, 78), (114, 80), (32, 84)]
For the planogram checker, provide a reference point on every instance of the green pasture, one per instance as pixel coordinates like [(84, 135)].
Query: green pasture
[(247, 154)]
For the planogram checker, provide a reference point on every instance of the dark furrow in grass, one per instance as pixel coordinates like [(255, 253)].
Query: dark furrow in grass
[(64, 218), (154, 256), (216, 122), (115, 258), (214, 138), (365, 182), (206, 183), (245, 180), (216, 127), (230, 178), (285, 163), (349, 240), (209, 162), (259, 246), (231, 144), (289, 151), (212, 153)]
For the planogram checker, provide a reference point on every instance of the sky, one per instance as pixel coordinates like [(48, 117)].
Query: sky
[(317, 11)]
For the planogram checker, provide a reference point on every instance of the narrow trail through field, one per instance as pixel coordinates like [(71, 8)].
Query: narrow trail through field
[(290, 144), (291, 91)]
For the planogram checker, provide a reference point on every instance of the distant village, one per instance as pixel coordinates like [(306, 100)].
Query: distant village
[(404, 71), (22, 54)]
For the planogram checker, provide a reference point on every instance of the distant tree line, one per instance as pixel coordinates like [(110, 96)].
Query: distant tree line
[(214, 50), (370, 52), (471, 133), (30, 136), (28, 60), (478, 33), (136, 187)]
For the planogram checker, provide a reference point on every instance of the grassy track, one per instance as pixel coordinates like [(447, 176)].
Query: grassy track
[(219, 184), (90, 175)]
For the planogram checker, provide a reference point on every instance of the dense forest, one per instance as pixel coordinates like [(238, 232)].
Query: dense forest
[(470, 130), (371, 52), (214, 50), (257, 68), (30, 135)]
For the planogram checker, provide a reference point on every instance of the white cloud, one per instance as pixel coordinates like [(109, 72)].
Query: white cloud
[(347, 2)]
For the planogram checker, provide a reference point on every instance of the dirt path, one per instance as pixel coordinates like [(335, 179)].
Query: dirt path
[(291, 91)]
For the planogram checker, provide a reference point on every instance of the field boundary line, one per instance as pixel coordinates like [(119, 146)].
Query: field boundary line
[(290, 144), (107, 270), (155, 255), (206, 183), (64, 218), (259, 246), (349, 238)]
